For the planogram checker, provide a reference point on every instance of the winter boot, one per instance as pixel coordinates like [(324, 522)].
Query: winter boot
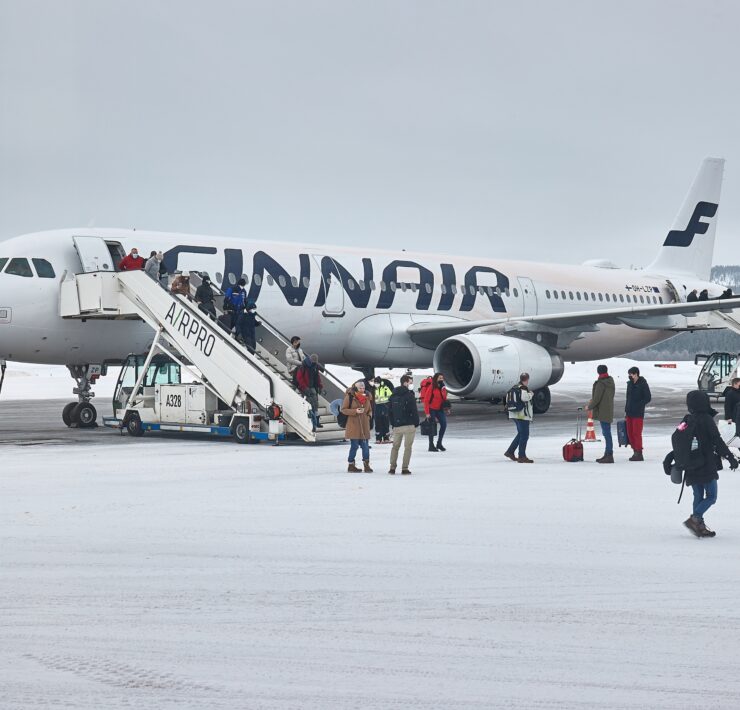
[(405, 472), (606, 458), (352, 468), (693, 524), (392, 471), (524, 459), (704, 531), (636, 456), (510, 455), (366, 466), (432, 447), (440, 447)]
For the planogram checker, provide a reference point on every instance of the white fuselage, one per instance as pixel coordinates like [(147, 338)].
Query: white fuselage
[(350, 305)]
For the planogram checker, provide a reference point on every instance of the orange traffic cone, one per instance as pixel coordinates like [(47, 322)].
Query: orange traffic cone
[(590, 432)]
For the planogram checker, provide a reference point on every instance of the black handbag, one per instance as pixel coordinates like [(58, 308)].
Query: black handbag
[(428, 427)]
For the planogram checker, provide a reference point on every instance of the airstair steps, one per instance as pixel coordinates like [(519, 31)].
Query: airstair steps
[(224, 364)]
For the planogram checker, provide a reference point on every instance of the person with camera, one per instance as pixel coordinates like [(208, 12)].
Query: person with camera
[(519, 406), (436, 408), (357, 406)]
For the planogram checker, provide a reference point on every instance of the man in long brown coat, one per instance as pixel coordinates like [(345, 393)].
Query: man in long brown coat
[(358, 407)]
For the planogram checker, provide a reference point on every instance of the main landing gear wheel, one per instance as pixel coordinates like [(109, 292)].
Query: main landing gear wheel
[(84, 415), (240, 430), (541, 401), (67, 413)]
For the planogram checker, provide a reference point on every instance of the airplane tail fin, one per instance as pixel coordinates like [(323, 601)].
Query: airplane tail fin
[(689, 247)]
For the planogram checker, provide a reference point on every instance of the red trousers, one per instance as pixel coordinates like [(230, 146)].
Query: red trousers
[(634, 432)]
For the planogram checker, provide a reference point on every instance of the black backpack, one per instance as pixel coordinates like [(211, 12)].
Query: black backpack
[(686, 452), (514, 399), (398, 410)]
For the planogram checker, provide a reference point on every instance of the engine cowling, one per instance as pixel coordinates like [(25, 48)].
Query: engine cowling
[(484, 366)]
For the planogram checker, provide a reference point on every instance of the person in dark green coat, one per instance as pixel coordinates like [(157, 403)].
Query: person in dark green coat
[(602, 406)]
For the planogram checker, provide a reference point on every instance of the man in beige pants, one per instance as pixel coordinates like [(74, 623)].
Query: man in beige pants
[(404, 418)]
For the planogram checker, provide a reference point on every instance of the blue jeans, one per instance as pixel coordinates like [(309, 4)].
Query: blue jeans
[(521, 438), (606, 432), (355, 444), (705, 496), (441, 417)]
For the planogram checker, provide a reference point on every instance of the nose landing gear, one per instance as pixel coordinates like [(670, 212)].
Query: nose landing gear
[(82, 413)]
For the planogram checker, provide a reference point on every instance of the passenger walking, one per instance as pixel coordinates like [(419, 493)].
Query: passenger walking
[(247, 326), (693, 296), (704, 295), (638, 395), (235, 300), (404, 417), (519, 405), (732, 400), (703, 479), (151, 268), (601, 405), (131, 262), (383, 392), (163, 272), (294, 357), (310, 383), (204, 296), (436, 406), (357, 406)]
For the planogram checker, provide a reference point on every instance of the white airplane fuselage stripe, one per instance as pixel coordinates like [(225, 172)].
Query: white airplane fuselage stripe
[(344, 325)]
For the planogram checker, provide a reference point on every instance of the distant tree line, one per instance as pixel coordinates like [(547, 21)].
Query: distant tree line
[(686, 345)]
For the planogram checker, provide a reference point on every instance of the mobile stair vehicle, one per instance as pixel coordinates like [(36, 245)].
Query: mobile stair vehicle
[(234, 390), (716, 373)]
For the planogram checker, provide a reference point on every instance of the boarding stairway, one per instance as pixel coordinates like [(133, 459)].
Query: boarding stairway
[(220, 361), (725, 319)]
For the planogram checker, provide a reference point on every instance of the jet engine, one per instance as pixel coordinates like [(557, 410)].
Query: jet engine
[(486, 366)]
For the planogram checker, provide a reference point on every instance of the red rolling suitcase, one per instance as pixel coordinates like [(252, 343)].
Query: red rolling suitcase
[(573, 450)]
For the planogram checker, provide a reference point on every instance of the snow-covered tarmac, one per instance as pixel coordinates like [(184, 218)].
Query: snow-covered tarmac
[(161, 573)]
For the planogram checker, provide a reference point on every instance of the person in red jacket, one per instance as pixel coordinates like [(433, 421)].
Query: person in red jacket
[(436, 405), (132, 262), (310, 383)]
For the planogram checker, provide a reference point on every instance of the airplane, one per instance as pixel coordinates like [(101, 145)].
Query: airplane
[(479, 321)]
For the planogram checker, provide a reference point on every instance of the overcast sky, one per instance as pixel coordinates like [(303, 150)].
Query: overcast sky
[(555, 131)]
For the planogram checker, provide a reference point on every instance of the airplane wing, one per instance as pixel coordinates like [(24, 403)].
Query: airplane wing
[(567, 327)]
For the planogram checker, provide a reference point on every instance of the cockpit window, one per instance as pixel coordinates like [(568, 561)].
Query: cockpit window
[(43, 268), (19, 267), (3, 261)]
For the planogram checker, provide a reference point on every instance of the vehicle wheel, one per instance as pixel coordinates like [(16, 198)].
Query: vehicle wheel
[(84, 415), (541, 401), (240, 430), (133, 426), (67, 413)]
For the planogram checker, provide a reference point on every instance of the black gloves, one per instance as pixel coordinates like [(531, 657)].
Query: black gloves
[(733, 462)]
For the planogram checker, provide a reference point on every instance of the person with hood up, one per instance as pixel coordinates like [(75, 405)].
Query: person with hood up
[(132, 261), (434, 399), (638, 396), (601, 405), (247, 325), (732, 402), (357, 406), (151, 268), (404, 417), (703, 479), (235, 300), (204, 296)]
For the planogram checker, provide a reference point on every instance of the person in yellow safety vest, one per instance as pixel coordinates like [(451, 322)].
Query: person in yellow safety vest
[(383, 391)]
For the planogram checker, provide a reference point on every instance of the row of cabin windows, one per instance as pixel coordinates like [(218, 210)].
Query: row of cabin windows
[(361, 285), (609, 298), (19, 266)]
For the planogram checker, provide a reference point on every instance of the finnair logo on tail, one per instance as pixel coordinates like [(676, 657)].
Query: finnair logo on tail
[(683, 238)]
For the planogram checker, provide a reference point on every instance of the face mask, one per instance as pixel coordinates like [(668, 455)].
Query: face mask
[(441, 383), (410, 385)]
